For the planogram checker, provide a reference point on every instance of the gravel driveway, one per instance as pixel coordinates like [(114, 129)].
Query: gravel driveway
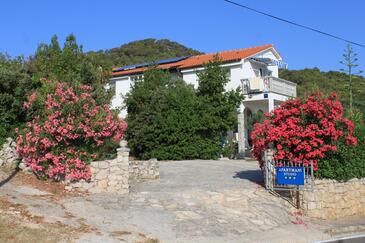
[(193, 201)]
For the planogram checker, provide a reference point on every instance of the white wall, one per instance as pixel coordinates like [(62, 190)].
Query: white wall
[(238, 70), (236, 73), (122, 87), (235, 76), (270, 54), (190, 77)]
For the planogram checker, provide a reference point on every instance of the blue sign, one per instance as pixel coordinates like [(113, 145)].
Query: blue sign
[(290, 175)]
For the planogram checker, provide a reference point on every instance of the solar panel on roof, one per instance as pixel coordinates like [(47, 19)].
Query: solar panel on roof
[(163, 61), (171, 60), (131, 66)]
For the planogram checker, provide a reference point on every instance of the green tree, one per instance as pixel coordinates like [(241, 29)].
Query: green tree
[(70, 64), (349, 61), (164, 119), (142, 104), (169, 119), (218, 108), (15, 82), (147, 50)]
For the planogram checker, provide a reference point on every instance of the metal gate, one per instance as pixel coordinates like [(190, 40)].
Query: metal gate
[(270, 171), (288, 191)]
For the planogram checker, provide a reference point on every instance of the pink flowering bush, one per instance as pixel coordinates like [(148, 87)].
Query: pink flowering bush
[(303, 131), (66, 131)]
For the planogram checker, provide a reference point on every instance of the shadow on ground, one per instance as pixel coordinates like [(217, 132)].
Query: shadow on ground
[(255, 176), (6, 180)]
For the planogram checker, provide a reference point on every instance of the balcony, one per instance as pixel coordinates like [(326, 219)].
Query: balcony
[(269, 84)]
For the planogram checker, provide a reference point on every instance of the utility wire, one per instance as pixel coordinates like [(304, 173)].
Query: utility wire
[(293, 23)]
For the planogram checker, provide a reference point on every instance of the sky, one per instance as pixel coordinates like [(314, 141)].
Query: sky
[(204, 25)]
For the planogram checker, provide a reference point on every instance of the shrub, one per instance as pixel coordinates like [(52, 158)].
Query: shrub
[(14, 83), (169, 119), (230, 149), (67, 130), (303, 130), (347, 161), (163, 119)]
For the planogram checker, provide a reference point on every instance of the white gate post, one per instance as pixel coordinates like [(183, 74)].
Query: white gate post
[(241, 131)]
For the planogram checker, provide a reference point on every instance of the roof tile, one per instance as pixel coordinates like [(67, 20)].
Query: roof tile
[(200, 60)]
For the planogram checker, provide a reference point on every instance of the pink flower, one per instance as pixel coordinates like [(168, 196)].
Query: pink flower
[(53, 143)]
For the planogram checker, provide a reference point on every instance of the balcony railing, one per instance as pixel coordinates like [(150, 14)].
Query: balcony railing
[(269, 84)]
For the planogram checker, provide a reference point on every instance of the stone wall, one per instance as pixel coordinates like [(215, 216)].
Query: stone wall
[(142, 170), (107, 176), (8, 154), (331, 199), (114, 176)]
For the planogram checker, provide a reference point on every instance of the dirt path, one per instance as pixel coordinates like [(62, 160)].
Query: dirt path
[(194, 201)]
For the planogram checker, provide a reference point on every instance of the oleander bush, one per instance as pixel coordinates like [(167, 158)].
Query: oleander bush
[(67, 129), (304, 131)]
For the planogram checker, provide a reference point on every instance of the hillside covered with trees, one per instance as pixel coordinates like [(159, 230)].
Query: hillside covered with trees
[(312, 79), (147, 50)]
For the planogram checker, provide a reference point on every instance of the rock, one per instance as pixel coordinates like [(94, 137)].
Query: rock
[(103, 164), (8, 154), (333, 200), (113, 176), (24, 168), (102, 174), (103, 184), (257, 221), (186, 215), (30, 191), (68, 188)]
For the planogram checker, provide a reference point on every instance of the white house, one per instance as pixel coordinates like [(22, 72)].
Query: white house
[(254, 69)]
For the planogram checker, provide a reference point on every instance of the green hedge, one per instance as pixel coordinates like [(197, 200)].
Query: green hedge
[(348, 161)]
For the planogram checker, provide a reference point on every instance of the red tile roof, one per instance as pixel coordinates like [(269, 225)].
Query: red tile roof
[(200, 60), (142, 69)]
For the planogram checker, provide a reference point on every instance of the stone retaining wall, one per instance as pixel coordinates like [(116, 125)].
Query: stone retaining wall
[(114, 176), (331, 199), (106, 176), (142, 170), (8, 154)]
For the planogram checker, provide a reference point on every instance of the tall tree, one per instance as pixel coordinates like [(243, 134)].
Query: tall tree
[(169, 119), (350, 62), (218, 107), (143, 106), (70, 64)]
